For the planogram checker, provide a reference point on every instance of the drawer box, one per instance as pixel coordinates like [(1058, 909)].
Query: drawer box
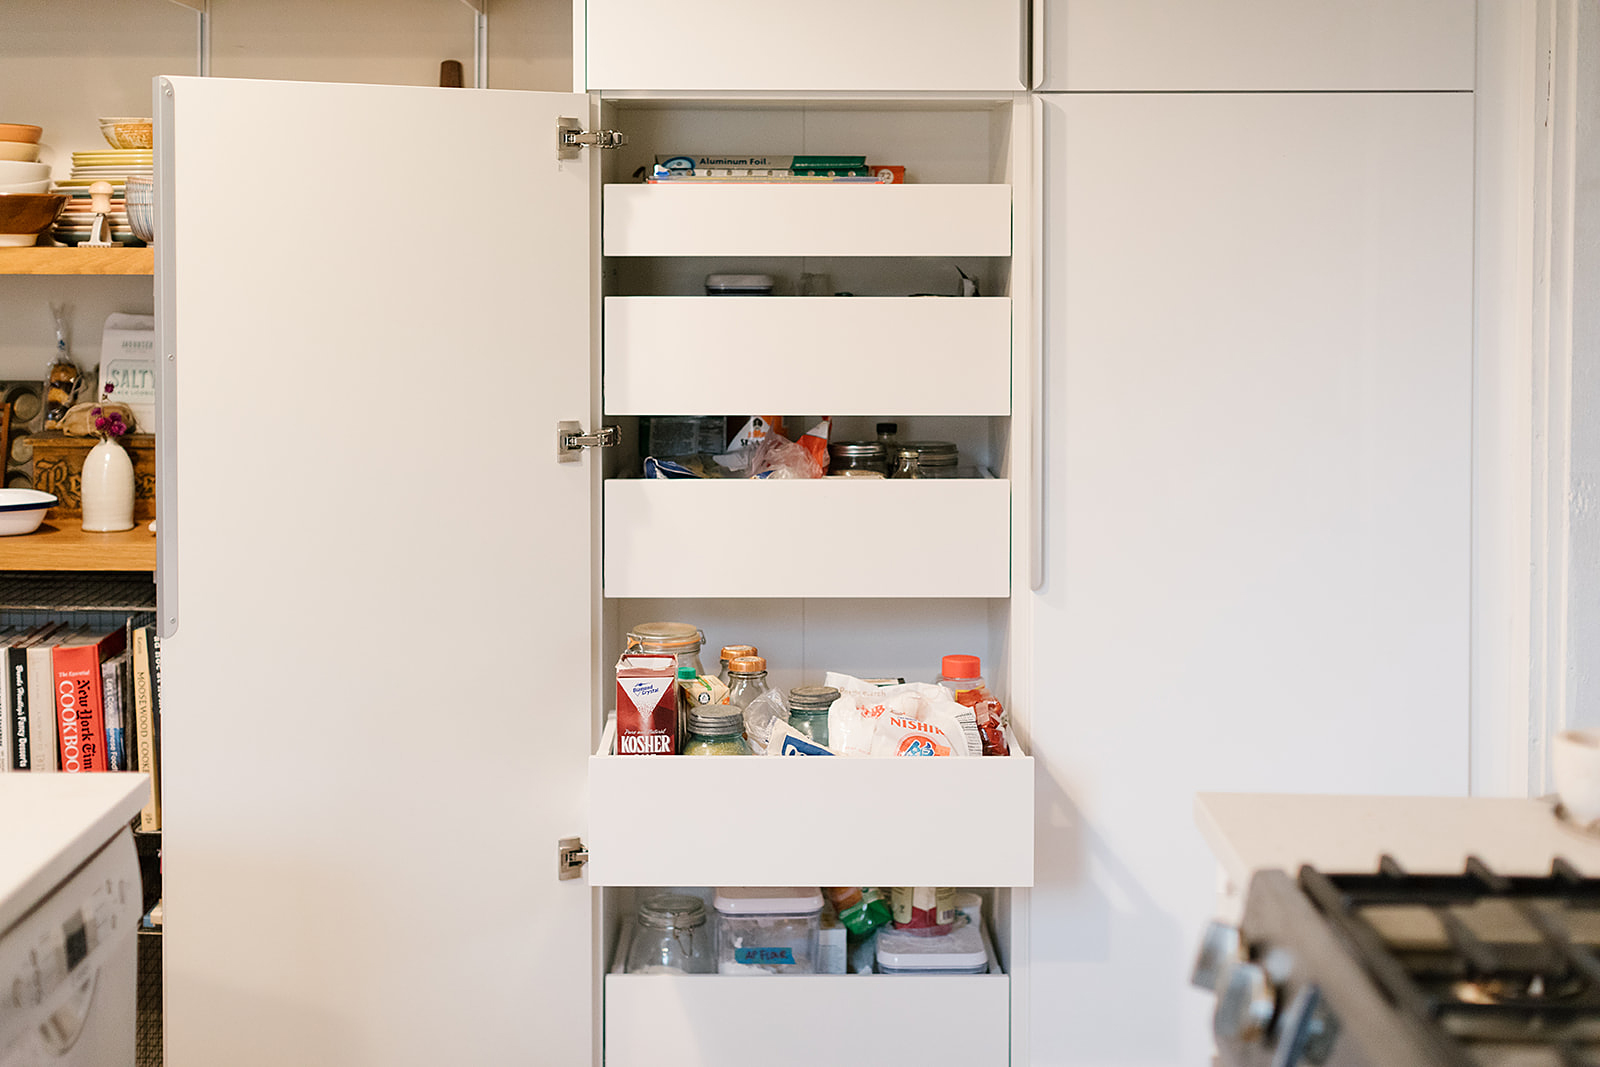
[(815, 538), (720, 1020), (802, 820), (838, 355), (806, 220)]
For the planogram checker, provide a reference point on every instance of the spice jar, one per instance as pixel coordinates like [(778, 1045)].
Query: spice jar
[(925, 459), (857, 456), (716, 730), (671, 937), (747, 679), (808, 710)]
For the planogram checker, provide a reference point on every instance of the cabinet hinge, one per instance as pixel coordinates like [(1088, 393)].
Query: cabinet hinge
[(570, 858), (570, 138), (571, 440)]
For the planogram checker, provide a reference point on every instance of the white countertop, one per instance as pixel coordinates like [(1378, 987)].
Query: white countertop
[(1348, 834), (51, 823)]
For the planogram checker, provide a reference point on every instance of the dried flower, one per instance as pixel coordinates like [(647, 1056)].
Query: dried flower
[(108, 424)]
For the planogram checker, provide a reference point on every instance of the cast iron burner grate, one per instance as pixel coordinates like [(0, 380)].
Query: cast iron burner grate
[(1477, 959)]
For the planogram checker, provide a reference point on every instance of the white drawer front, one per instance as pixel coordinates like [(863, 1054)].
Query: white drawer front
[(842, 355), (718, 1020), (817, 538), (798, 820), (807, 220)]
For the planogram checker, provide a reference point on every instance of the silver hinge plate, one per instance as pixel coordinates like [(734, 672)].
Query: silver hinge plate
[(570, 139), (571, 440), (570, 858)]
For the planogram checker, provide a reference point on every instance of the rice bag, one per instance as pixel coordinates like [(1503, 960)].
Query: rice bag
[(913, 719)]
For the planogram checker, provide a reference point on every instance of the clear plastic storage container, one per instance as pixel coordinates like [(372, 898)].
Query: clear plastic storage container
[(960, 951), (768, 930)]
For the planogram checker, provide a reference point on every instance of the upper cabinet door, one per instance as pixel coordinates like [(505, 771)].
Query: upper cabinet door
[(949, 45), (376, 698), (1199, 45)]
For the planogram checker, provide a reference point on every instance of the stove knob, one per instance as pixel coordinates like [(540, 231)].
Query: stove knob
[(1219, 947), (1245, 1004)]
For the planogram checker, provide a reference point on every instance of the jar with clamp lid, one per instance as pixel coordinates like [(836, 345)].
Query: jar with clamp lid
[(671, 937), (677, 639), (925, 459), (808, 710), (847, 456)]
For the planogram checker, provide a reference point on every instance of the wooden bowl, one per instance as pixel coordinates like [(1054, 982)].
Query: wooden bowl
[(16, 131), (30, 213)]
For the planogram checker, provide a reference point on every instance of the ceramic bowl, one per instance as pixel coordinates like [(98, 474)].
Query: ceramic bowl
[(26, 187), (26, 215), (141, 201), (19, 150), (16, 131), (14, 170), (22, 510), (127, 132)]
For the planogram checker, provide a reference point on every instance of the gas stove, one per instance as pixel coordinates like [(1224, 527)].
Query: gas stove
[(1385, 969)]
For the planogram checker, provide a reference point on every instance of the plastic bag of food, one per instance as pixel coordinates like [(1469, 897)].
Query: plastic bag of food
[(815, 442), (778, 457), (785, 740), (861, 910), (913, 719), (761, 715)]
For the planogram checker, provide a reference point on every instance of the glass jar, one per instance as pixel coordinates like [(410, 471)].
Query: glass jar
[(677, 639), (716, 730), (857, 456), (747, 679), (889, 437), (925, 459), (731, 653), (671, 937), (808, 710)]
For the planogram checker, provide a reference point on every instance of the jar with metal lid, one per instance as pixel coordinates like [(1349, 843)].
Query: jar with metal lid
[(747, 679), (925, 459), (808, 710), (671, 937), (857, 456), (716, 730), (730, 653)]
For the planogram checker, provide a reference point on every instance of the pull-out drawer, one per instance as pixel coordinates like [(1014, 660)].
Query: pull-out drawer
[(809, 820), (755, 219), (842, 355), (950, 538), (717, 1020)]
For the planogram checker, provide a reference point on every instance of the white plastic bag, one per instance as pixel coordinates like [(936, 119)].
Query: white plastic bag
[(911, 719)]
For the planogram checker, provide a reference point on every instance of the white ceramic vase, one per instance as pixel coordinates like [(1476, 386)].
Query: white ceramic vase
[(107, 488)]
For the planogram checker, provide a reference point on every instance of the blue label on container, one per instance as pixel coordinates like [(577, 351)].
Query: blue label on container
[(763, 955)]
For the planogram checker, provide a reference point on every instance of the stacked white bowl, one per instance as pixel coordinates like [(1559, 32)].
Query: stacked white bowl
[(20, 169)]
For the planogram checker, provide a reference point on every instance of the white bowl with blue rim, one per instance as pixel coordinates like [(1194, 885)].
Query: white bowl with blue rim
[(22, 510)]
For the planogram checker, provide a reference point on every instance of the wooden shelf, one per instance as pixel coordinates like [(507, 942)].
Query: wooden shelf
[(62, 545), (78, 260)]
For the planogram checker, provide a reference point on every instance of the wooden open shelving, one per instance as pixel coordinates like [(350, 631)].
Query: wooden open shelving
[(119, 260), (62, 545)]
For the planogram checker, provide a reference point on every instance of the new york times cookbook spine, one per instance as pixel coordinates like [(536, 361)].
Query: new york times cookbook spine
[(80, 701)]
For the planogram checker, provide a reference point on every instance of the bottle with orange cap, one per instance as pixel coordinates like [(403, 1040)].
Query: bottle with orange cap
[(963, 676), (731, 653), (747, 679)]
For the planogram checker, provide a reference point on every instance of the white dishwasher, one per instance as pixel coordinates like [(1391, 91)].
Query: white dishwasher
[(70, 902)]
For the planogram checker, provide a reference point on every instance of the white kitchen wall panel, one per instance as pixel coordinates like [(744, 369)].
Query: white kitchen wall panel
[(905, 355), (941, 45), (1258, 331), (1208, 45)]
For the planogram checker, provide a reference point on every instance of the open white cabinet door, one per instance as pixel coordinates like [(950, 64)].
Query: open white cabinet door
[(376, 579)]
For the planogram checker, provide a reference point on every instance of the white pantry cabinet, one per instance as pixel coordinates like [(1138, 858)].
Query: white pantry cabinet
[(1243, 45), (456, 615), (1259, 407), (900, 45)]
